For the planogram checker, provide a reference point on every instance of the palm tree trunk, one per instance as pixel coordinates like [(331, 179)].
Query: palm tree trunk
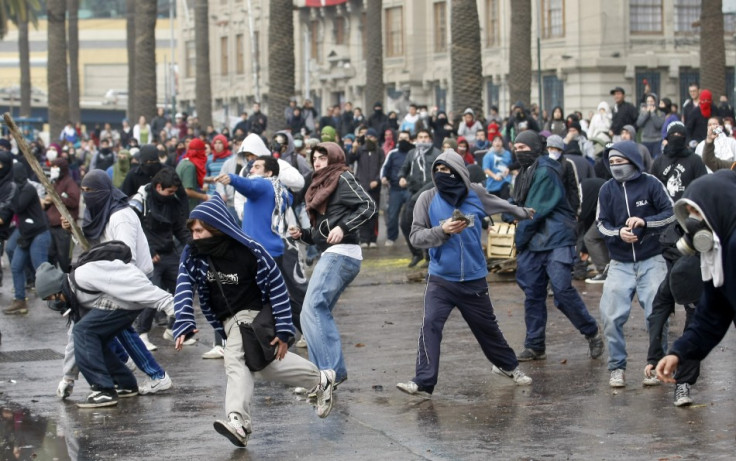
[(281, 66), (25, 69), (465, 58), (374, 87), (58, 87), (130, 42), (520, 57), (145, 59), (712, 49), (73, 45), (203, 84)]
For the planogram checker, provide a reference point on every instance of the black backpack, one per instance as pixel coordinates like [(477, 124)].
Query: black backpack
[(106, 251)]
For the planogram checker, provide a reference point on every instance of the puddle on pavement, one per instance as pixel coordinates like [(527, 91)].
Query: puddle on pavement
[(25, 436)]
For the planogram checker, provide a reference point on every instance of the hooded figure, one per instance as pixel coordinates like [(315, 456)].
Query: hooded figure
[(7, 190), (216, 160), (448, 222), (290, 156), (678, 167), (708, 212), (101, 202), (33, 239), (697, 118)]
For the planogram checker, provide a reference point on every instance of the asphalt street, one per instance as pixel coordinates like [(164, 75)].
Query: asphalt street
[(569, 412)]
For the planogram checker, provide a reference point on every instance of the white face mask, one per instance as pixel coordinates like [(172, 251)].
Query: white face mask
[(54, 172), (728, 128), (51, 155), (555, 154)]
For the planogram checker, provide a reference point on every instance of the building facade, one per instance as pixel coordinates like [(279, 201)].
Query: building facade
[(587, 48)]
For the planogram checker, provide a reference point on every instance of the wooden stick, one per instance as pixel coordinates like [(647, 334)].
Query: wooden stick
[(36, 167)]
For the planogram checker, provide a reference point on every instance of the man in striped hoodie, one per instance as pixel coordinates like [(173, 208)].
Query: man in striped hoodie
[(236, 278)]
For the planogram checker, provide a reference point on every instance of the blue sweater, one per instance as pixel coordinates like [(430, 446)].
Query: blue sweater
[(392, 166), (193, 277), (258, 211), (496, 163), (461, 257)]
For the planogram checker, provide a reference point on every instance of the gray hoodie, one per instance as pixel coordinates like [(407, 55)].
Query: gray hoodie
[(424, 235)]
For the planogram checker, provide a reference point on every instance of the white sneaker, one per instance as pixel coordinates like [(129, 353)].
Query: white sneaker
[(324, 392), (412, 388), (364, 245), (233, 429), (217, 352), (389, 243), (302, 343), (617, 378), (682, 395), (651, 379), (149, 345), (519, 377), (169, 334), (151, 386)]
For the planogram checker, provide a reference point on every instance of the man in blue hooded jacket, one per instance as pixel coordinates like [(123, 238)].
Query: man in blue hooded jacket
[(447, 221), (634, 208)]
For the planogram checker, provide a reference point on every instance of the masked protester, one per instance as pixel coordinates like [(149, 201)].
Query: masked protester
[(397, 195), (368, 160), (378, 121), (30, 240), (68, 190), (707, 212), (546, 250), (121, 168), (447, 221), (142, 173), (191, 171), (697, 119), (633, 211), (103, 159)]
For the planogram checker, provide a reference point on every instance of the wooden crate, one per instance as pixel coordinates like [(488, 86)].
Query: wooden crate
[(501, 241)]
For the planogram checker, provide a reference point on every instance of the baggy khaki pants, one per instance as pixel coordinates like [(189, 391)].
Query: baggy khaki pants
[(292, 370)]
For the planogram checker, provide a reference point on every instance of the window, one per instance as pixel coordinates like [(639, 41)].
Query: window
[(440, 27), (492, 31), (394, 31), (224, 68), (687, 12), (644, 78), (339, 30), (314, 37), (554, 92), (239, 54), (553, 18), (190, 59), (645, 16)]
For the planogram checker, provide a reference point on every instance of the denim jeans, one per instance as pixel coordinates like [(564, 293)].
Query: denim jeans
[(332, 274), (623, 280), (97, 362), (396, 199), (534, 270), (37, 252)]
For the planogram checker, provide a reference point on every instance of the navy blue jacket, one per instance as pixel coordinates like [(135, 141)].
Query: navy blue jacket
[(645, 197), (392, 166)]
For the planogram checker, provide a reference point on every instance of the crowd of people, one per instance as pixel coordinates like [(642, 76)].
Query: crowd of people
[(619, 198)]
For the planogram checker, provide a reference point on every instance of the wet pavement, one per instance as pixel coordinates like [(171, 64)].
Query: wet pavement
[(569, 412)]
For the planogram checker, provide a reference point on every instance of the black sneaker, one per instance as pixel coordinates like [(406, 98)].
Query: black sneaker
[(598, 279), (99, 399), (125, 393), (682, 395), (528, 355), (595, 344), (416, 259)]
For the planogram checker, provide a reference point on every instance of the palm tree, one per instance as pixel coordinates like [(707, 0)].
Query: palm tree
[(712, 48), (73, 49), (520, 59), (58, 85), (465, 58), (374, 88), (21, 12), (145, 59), (203, 84), (130, 42), (280, 60)]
